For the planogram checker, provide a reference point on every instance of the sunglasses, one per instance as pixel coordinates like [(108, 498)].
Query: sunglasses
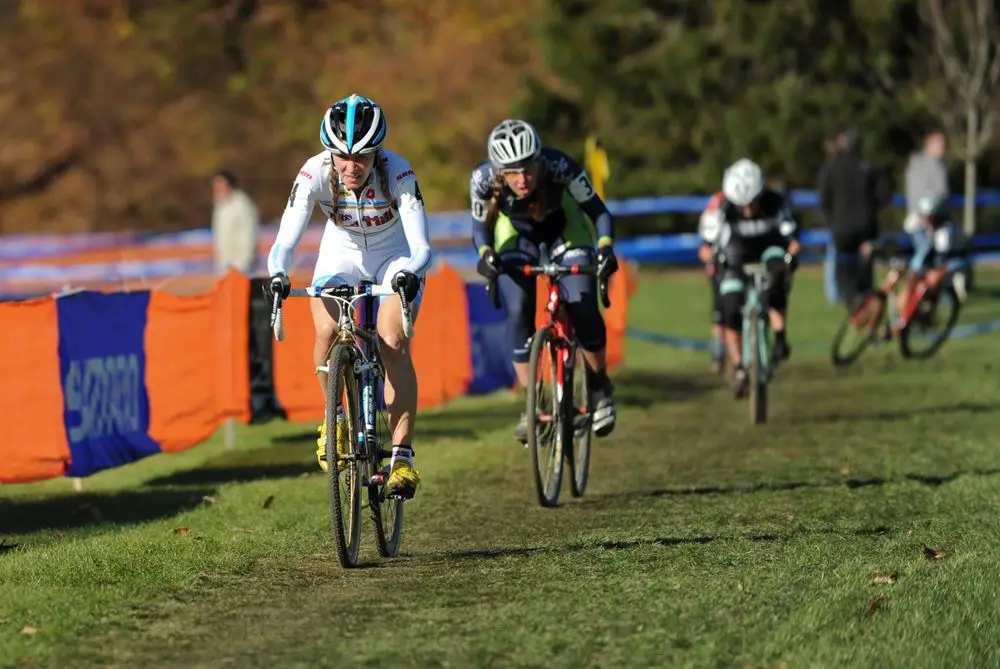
[(521, 168)]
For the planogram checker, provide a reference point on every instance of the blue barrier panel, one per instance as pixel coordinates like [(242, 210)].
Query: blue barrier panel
[(102, 362), (491, 365)]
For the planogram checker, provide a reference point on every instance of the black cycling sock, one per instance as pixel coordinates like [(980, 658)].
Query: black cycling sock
[(596, 379), (779, 335)]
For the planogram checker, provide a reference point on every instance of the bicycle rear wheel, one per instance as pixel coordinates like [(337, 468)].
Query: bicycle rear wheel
[(859, 329), (344, 476), (545, 429), (758, 381), (927, 314), (386, 511), (580, 418)]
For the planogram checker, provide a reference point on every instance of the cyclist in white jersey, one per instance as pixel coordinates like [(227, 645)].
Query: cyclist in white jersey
[(376, 230)]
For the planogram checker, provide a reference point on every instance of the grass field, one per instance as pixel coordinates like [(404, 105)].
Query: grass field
[(702, 541)]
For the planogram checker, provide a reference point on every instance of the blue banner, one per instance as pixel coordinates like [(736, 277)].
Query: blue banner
[(102, 364), (491, 365)]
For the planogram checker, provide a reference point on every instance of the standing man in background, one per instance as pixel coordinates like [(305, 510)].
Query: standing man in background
[(852, 192), (926, 176), (235, 223)]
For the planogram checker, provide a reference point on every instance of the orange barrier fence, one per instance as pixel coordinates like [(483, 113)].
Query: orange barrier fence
[(96, 380)]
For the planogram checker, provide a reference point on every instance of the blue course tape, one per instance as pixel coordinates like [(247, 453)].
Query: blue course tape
[(686, 343), (669, 340)]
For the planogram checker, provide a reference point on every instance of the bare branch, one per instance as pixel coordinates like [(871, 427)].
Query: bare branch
[(987, 127), (944, 44), (993, 76)]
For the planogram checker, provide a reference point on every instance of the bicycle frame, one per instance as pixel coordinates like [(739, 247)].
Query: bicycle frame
[(897, 270), (565, 336), (558, 317), (756, 300), (364, 338)]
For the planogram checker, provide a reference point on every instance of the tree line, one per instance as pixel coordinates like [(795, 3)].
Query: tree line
[(116, 112)]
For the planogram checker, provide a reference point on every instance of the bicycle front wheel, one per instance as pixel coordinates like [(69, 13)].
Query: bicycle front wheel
[(580, 415), (545, 428), (757, 373), (939, 312), (344, 474), (386, 511)]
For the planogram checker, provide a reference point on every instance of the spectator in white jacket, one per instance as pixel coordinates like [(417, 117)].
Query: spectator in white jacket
[(926, 176), (235, 223)]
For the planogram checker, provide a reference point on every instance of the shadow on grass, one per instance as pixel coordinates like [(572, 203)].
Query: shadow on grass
[(645, 388), (930, 480), (631, 544), (63, 512), (904, 414), (276, 462)]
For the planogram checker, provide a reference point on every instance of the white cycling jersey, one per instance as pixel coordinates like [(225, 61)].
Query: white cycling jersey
[(378, 231)]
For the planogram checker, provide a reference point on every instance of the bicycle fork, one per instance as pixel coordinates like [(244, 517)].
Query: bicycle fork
[(367, 436)]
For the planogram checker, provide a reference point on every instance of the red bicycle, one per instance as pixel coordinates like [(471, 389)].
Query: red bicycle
[(869, 322), (558, 408)]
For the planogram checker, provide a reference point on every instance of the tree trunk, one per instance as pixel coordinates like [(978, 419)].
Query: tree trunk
[(971, 152), (969, 212)]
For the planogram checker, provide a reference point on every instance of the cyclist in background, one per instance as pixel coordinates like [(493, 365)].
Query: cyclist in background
[(525, 195), (939, 250), (706, 253), (753, 224), (376, 230)]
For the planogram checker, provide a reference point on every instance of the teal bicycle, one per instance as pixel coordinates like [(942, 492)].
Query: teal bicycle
[(757, 344)]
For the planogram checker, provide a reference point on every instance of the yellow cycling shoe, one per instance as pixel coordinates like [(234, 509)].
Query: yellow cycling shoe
[(342, 440), (403, 480)]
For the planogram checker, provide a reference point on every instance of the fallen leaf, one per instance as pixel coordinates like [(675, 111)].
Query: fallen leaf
[(909, 532), (208, 499), (268, 502), (28, 629), (846, 471), (933, 553), (181, 530), (874, 606), (884, 580), (28, 662)]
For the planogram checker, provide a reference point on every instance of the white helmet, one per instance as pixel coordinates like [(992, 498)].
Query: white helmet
[(742, 182), (513, 142)]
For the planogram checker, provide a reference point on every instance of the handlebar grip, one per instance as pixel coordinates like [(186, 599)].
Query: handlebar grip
[(404, 306), (277, 324), (604, 288), (491, 290)]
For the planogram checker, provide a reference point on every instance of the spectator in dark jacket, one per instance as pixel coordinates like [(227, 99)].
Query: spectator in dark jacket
[(852, 193)]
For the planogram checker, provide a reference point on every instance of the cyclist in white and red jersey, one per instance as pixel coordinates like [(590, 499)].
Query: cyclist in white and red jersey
[(376, 230)]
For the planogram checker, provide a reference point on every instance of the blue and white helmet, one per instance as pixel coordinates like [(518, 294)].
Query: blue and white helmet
[(354, 125)]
